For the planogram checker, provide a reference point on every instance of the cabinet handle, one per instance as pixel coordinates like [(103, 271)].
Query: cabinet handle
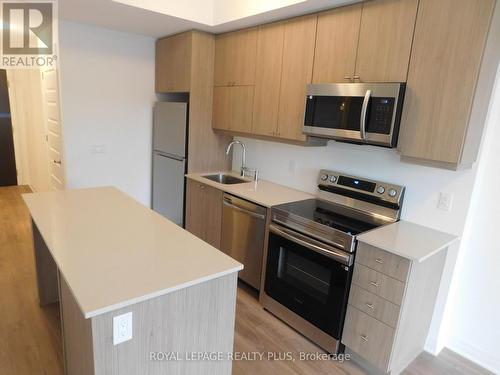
[(364, 338), (374, 283), (356, 78), (349, 78), (379, 261), (369, 305)]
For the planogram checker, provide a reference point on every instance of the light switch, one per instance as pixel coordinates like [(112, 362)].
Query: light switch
[(445, 201), (122, 328)]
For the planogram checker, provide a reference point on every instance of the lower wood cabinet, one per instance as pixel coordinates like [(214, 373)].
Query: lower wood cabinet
[(204, 212), (390, 307)]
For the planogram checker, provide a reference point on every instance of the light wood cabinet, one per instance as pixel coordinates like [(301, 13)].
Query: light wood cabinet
[(204, 212), (387, 319), (296, 73), (173, 63), (337, 44), (448, 46), (233, 108), (368, 42), (385, 40), (235, 58), (268, 79)]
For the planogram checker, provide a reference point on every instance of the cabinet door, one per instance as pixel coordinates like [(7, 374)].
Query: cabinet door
[(204, 212), (450, 36), (385, 40), (298, 56), (336, 44), (268, 79), (173, 62), (235, 58), (233, 108)]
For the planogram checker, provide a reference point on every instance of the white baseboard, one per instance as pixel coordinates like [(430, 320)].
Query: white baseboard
[(432, 346), (467, 349)]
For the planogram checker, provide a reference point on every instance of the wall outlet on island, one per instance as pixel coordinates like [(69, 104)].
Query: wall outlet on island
[(445, 201), (98, 149), (122, 328)]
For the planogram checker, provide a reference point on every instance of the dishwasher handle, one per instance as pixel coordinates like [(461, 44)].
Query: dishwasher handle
[(229, 203), (311, 244)]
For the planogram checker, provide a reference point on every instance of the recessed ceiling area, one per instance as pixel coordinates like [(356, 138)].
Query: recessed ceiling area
[(159, 18)]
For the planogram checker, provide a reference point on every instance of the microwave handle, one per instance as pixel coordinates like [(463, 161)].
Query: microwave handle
[(364, 110)]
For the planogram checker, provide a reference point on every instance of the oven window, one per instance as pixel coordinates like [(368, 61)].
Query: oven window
[(335, 112), (310, 277)]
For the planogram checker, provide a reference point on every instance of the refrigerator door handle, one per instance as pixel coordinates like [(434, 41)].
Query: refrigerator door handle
[(170, 156)]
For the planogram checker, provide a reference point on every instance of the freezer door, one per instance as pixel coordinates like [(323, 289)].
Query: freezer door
[(168, 187), (170, 128)]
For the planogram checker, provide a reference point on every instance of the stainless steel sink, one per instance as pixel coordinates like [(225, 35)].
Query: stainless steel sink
[(226, 179)]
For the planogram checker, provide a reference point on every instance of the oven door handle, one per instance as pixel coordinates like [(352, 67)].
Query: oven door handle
[(311, 244), (364, 110)]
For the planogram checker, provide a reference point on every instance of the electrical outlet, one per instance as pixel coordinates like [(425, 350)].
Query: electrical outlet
[(122, 328), (445, 201), (292, 167), (98, 149)]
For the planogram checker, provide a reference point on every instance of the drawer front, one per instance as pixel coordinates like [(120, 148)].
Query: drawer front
[(383, 261), (379, 284), (368, 337), (375, 306)]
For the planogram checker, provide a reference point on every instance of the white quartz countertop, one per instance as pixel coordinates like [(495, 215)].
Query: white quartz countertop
[(114, 252), (409, 240), (262, 192)]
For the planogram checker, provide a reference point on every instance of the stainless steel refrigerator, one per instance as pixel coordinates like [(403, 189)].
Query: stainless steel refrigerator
[(170, 121)]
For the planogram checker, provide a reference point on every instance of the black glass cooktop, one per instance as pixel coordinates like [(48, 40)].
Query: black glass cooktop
[(325, 213)]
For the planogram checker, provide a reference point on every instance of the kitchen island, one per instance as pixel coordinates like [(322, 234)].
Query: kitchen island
[(101, 254)]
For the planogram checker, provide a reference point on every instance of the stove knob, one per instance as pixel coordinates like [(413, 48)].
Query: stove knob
[(324, 177), (392, 193), (381, 190), (333, 179)]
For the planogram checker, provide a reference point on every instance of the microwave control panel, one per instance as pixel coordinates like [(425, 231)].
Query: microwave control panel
[(381, 115)]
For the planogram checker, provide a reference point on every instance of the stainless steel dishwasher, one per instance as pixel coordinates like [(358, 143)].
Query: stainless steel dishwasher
[(243, 226)]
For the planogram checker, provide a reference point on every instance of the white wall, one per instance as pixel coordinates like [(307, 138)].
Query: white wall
[(474, 308), (298, 167), (107, 90)]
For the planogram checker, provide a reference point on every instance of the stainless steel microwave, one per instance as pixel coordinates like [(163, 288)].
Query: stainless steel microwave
[(364, 113)]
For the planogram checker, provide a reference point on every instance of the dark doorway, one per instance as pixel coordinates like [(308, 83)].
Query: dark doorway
[(8, 174)]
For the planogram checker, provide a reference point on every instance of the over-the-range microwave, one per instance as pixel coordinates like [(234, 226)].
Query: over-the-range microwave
[(364, 113)]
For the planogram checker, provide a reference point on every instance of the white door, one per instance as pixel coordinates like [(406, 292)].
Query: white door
[(54, 136)]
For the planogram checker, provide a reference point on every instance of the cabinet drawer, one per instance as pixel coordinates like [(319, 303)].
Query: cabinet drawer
[(368, 337), (383, 261), (379, 284), (375, 306)]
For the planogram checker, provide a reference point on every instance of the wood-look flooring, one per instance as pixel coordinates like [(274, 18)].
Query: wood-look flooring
[(30, 335)]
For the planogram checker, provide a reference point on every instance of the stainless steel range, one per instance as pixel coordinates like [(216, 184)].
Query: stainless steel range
[(311, 252)]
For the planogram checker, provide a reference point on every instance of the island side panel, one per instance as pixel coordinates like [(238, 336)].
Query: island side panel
[(195, 319), (46, 270), (77, 334)]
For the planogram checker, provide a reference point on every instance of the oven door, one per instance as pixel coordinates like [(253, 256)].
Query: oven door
[(309, 278)]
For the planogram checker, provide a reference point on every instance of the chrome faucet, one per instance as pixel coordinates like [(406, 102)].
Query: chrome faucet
[(243, 169)]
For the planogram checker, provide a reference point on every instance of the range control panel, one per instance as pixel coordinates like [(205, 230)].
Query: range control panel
[(380, 190)]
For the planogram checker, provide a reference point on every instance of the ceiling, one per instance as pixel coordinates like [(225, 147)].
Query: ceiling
[(159, 18)]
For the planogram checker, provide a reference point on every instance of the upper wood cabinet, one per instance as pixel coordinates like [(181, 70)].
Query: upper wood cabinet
[(448, 46), (268, 79), (296, 73), (385, 40), (233, 108), (235, 58), (337, 44), (173, 63), (368, 42)]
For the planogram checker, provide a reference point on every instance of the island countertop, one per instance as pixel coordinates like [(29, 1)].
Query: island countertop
[(114, 252)]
